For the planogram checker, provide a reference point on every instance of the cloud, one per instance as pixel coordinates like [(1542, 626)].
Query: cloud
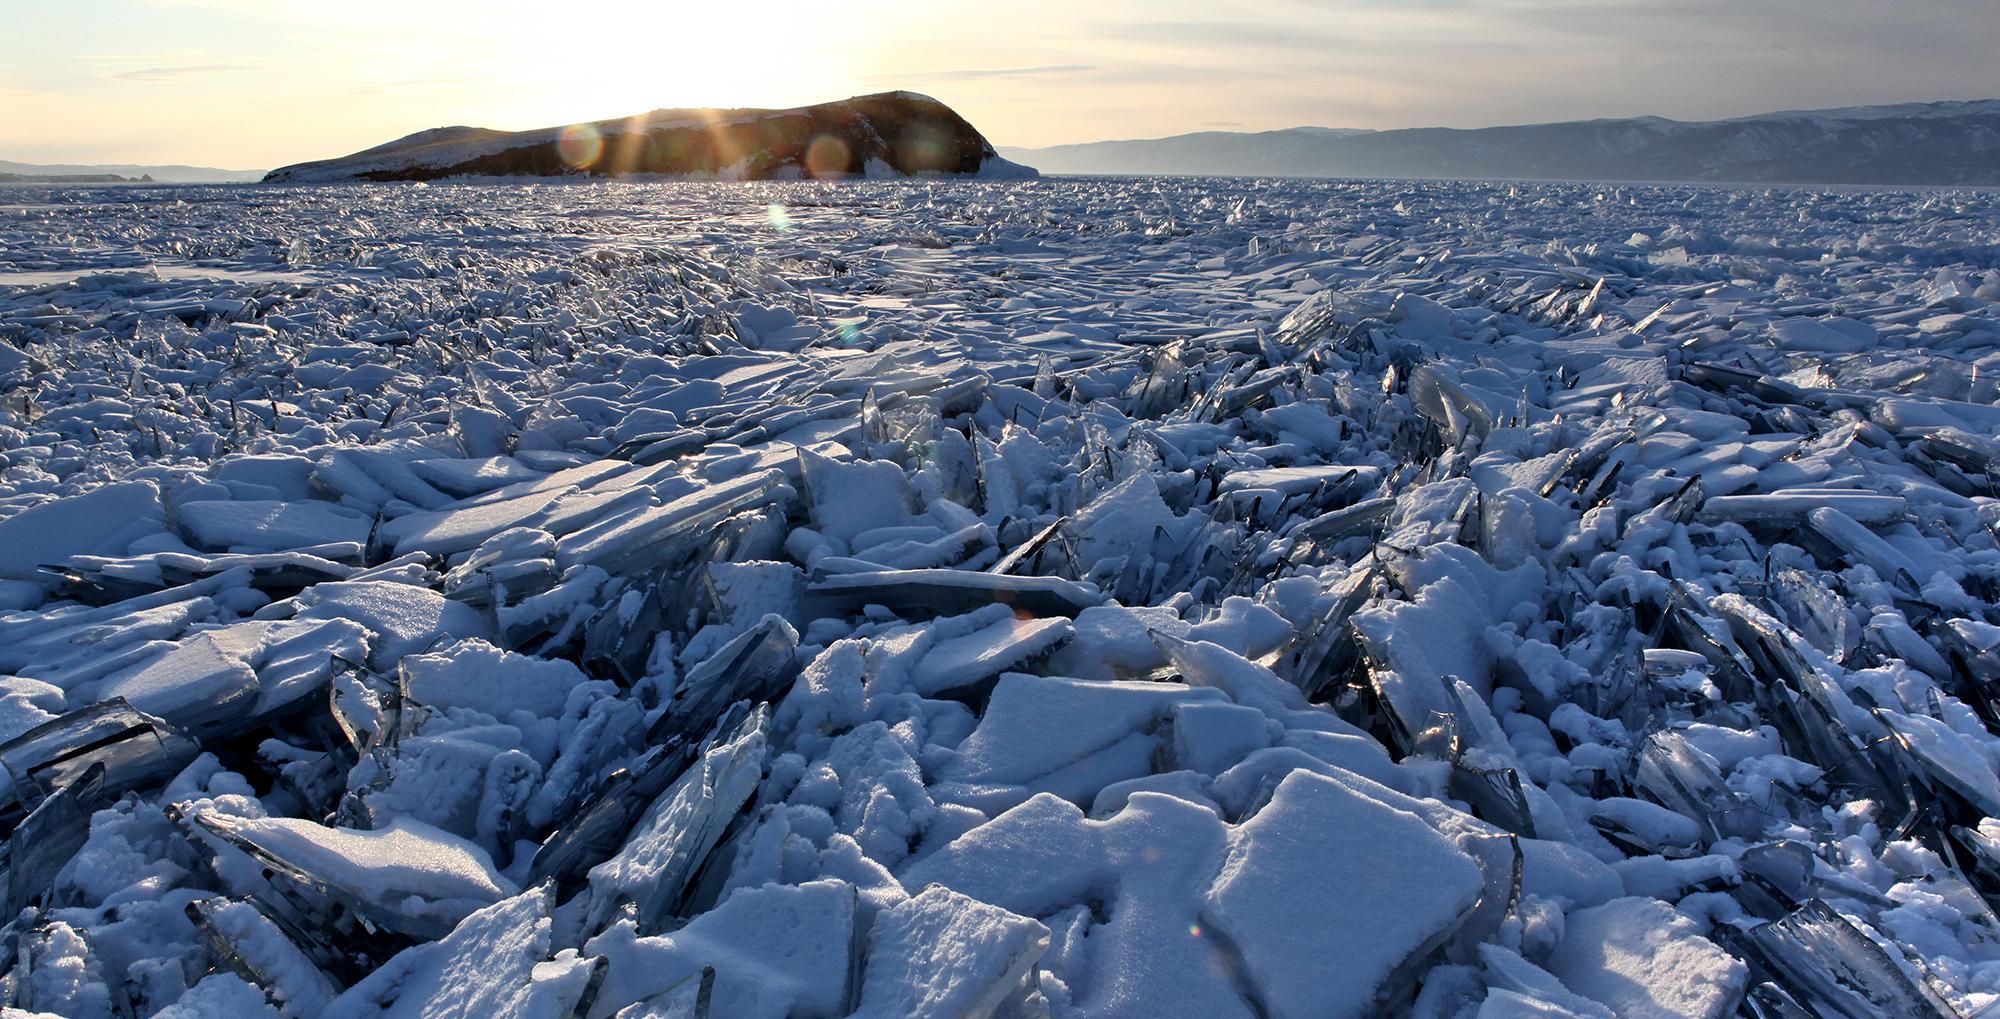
[(177, 72), (1228, 38), (405, 84), (981, 73)]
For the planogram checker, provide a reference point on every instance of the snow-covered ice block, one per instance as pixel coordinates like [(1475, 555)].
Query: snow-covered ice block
[(1647, 961), (407, 877), (253, 944), (1128, 519), (1323, 874), (672, 840), (942, 954), (471, 477), (1905, 415), (653, 537), (1824, 335), (462, 528), (852, 498), (1290, 481), (1033, 859), (1866, 507), (1210, 737), (1067, 736), (475, 674), (224, 679), (404, 619), (779, 952), (1007, 643), (496, 964)]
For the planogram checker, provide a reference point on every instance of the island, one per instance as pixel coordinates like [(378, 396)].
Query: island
[(893, 134)]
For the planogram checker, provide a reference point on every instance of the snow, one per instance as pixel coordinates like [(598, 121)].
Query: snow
[(1069, 598)]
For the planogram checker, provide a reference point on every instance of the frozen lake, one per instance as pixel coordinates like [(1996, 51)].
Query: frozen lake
[(1078, 597)]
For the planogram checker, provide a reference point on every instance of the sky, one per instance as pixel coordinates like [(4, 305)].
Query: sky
[(252, 84)]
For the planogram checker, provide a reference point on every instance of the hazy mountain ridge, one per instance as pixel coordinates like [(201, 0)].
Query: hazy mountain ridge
[(129, 172), (1907, 143), (72, 178)]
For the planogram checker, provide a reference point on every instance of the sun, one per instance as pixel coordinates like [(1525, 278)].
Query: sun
[(629, 56)]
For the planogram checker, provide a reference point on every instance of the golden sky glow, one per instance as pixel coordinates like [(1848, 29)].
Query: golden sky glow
[(258, 83)]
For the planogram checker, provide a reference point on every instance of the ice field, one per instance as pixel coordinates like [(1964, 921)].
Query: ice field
[(1061, 598)]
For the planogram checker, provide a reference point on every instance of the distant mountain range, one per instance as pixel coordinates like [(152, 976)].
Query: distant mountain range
[(1910, 143), (73, 178), (893, 134), (125, 173)]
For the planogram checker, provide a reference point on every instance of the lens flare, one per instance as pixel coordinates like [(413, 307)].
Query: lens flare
[(781, 220), (827, 156), (580, 145), (925, 149)]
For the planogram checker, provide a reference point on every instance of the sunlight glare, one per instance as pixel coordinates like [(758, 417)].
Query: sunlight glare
[(651, 55)]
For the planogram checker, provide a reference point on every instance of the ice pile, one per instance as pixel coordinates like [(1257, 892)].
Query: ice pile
[(1081, 598)]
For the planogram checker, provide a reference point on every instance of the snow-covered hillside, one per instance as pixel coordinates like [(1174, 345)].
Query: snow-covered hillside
[(894, 134), (1060, 598), (1907, 143)]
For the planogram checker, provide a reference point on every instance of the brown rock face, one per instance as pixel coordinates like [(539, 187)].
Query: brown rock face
[(897, 132)]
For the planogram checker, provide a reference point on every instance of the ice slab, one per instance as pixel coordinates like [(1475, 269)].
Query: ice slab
[(102, 521), (270, 524), (925, 593)]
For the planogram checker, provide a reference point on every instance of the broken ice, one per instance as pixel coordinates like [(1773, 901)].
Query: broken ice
[(1078, 598)]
